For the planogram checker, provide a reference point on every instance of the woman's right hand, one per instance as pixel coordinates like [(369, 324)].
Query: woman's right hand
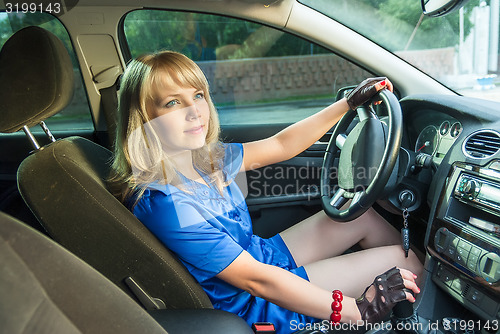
[(386, 290)]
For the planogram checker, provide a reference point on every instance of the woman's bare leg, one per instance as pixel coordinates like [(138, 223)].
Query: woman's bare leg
[(319, 237), (352, 273)]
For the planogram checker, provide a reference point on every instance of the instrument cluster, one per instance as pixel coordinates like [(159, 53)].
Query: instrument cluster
[(436, 140)]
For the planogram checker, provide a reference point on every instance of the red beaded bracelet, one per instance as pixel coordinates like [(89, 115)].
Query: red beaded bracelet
[(336, 306)]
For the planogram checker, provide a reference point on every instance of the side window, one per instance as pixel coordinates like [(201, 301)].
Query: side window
[(257, 74), (76, 116)]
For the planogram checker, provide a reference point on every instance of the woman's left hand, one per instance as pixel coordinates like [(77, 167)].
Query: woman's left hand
[(366, 90)]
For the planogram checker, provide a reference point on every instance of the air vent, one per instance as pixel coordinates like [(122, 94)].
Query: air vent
[(465, 290), (482, 144)]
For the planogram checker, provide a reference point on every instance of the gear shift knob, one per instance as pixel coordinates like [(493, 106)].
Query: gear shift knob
[(403, 310)]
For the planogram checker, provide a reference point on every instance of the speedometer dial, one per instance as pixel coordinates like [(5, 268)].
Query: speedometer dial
[(427, 140)]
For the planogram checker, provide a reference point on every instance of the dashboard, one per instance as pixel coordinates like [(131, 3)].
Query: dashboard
[(428, 136), (453, 145), (433, 133), (436, 141)]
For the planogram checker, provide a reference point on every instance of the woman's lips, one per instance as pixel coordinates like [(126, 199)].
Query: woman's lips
[(195, 130)]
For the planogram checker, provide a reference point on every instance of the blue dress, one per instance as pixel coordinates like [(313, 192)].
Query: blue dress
[(208, 231)]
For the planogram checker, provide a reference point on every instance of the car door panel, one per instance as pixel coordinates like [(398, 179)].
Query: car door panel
[(285, 193)]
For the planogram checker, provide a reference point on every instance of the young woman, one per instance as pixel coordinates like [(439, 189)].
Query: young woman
[(179, 179)]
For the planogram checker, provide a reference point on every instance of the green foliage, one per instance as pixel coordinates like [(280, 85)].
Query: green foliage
[(391, 23), (201, 36), (401, 16)]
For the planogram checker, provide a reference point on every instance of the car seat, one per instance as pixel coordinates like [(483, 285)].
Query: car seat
[(46, 289)]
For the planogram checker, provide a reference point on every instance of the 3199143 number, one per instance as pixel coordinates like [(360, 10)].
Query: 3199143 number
[(471, 325), (31, 7)]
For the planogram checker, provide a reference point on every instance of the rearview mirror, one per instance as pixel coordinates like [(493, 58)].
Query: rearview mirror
[(441, 7)]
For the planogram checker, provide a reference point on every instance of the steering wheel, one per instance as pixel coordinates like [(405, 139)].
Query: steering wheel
[(368, 153)]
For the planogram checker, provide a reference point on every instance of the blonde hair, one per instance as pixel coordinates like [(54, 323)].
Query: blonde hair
[(138, 155)]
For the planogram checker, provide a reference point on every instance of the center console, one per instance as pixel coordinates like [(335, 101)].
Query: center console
[(465, 238)]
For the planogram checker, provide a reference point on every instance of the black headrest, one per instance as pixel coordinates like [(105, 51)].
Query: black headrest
[(36, 78)]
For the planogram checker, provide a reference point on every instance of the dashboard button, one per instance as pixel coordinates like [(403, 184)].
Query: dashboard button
[(472, 262), (454, 240), (475, 251), (462, 260), (475, 296), (447, 277), (441, 239), (471, 187), (462, 252), (450, 251), (465, 245), (458, 285)]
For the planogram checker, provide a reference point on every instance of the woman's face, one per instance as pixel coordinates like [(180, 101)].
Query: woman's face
[(180, 117)]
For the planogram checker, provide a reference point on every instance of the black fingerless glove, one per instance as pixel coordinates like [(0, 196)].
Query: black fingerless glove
[(363, 92), (381, 296)]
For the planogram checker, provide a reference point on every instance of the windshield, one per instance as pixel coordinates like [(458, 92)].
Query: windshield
[(461, 50)]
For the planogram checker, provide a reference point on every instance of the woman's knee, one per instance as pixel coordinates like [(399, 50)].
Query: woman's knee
[(410, 262), (417, 266)]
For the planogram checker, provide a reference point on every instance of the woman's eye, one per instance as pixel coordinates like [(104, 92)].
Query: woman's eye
[(199, 96), (171, 103)]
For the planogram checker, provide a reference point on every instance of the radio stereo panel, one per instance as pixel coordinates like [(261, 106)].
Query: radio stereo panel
[(478, 192), (465, 237)]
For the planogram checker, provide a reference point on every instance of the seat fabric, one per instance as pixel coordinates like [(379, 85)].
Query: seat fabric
[(46, 289)]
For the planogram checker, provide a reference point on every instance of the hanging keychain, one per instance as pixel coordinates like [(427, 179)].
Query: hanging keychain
[(407, 199), (405, 232)]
